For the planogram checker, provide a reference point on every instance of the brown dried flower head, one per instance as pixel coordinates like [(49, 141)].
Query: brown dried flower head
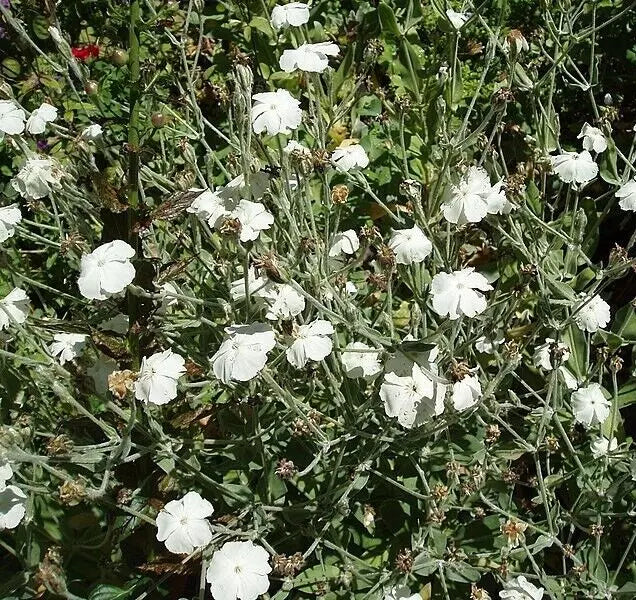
[(121, 382)]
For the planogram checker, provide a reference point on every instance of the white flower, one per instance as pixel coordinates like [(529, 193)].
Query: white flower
[(349, 155), (238, 571), (572, 167), (182, 524), (92, 132), (520, 588), (601, 446), (6, 472), (284, 302), (67, 346), (466, 392), (259, 287), (243, 355), (253, 217), (275, 112), (294, 146), (593, 138), (473, 198), (488, 344), (457, 19), (11, 119), (14, 308), (401, 592), (594, 314), (411, 394), (312, 342), (627, 195), (312, 58), (40, 117), (294, 14), (208, 206), (107, 270), (37, 178), (410, 245), (542, 357), (345, 242), (361, 361), (455, 294), (158, 376), (12, 507), (9, 217), (589, 405)]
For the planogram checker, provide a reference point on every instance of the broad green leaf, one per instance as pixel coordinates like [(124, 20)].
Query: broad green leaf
[(388, 22)]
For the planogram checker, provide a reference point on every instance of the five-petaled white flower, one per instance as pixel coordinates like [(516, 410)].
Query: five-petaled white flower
[(593, 138), (466, 392), (106, 271), (545, 353), (296, 147), (209, 206), (14, 308), (457, 19), (312, 58), (488, 344), (574, 167), (627, 195), (37, 178), (67, 346), (401, 592), (92, 132), (183, 524), (312, 342), (410, 245), (459, 293), (243, 355), (238, 571), (589, 405), (361, 361), (345, 242), (520, 588), (40, 117), (349, 155), (12, 119), (594, 313), (473, 198), (601, 446), (294, 14), (275, 112), (253, 217), (10, 216), (283, 302), (158, 376), (12, 506)]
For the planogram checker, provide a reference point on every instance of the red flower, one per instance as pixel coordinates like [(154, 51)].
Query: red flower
[(84, 52)]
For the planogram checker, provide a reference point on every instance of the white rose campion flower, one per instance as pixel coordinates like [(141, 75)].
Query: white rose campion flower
[(158, 376), (294, 14), (253, 217), (601, 446), (67, 346), (593, 138), (12, 119), (12, 507), (106, 271), (543, 355), (6, 472), (473, 198), (275, 112), (209, 206), (466, 392), (238, 571), (14, 308), (284, 302), (92, 132), (459, 293), (294, 146), (243, 355), (410, 245), (361, 361), (312, 342), (37, 178), (401, 592), (594, 314), (40, 117), (10, 216), (627, 195), (572, 167), (488, 344), (258, 286), (311, 58), (520, 588), (589, 405), (349, 155), (183, 524), (457, 19), (345, 242)]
